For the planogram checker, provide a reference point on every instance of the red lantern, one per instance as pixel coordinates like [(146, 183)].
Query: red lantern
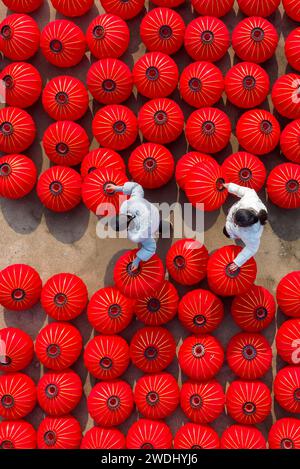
[(258, 131), (213, 7), (201, 357), (283, 185), (160, 307), (63, 43), (106, 357), (242, 437), (59, 433), (161, 120), (156, 396), (288, 294), (64, 296), (290, 141), (149, 434), (125, 10), (107, 36), (287, 389), (292, 9), (144, 281), (110, 81), (200, 311), (20, 287), (249, 355), (287, 341), (152, 349), (103, 438), (247, 85), (286, 95), (16, 349), (202, 402), (17, 435), (206, 38), (292, 49), (192, 436), (254, 310), (187, 261), (186, 164), (17, 176), (255, 39), (115, 126), (65, 98), (245, 169), (162, 30), (109, 311), (72, 7), (155, 75), (151, 165), (23, 6), (285, 434), (19, 37), (201, 84), (58, 345), (102, 158), (59, 188), (110, 403), (248, 402), (17, 130), (59, 393), (208, 130), (168, 3), (258, 7), (23, 84), (17, 396)]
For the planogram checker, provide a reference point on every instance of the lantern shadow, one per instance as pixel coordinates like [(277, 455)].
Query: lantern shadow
[(42, 15), (109, 272), (23, 215), (68, 227), (29, 321)]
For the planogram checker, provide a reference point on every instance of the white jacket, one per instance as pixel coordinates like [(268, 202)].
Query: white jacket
[(250, 235)]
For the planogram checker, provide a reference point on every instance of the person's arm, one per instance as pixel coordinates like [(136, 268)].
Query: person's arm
[(237, 190), (130, 188), (145, 253), (247, 252)]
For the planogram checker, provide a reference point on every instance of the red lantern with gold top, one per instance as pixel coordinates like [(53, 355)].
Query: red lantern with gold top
[(242, 437), (19, 37), (287, 389), (20, 287), (285, 434), (258, 131), (23, 6), (125, 10), (245, 169), (159, 307), (288, 294), (213, 7), (17, 396), (286, 95), (292, 49), (186, 164), (193, 436), (258, 7), (17, 130), (202, 402), (101, 158), (107, 36), (283, 185), (187, 261), (292, 9), (17, 435), (149, 434), (17, 176), (59, 433), (72, 7), (290, 141), (16, 349), (23, 84), (287, 341), (103, 438)]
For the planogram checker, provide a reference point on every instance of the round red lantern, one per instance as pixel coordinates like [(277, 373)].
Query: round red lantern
[(202, 402), (65, 98), (23, 84), (290, 141), (200, 311), (292, 9), (208, 130), (286, 95), (106, 357), (107, 36), (285, 434), (283, 185), (292, 49), (193, 436), (201, 84), (168, 3), (152, 349), (254, 310), (149, 434), (206, 38), (23, 6), (161, 120), (187, 261), (258, 131), (258, 7), (72, 7), (186, 164), (16, 349), (20, 287), (288, 294), (125, 10), (255, 39), (242, 437), (64, 296), (249, 355), (59, 433), (160, 307), (213, 7), (156, 396), (162, 30), (17, 396), (109, 311), (17, 435), (287, 389), (151, 165), (58, 345), (103, 438), (17, 176), (17, 130), (101, 158), (59, 393), (59, 188), (110, 403), (155, 75), (287, 341), (245, 169), (19, 37)]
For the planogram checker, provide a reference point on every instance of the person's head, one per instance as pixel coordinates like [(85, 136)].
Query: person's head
[(248, 217), (120, 222)]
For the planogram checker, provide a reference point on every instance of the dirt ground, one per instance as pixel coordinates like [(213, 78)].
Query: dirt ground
[(54, 243)]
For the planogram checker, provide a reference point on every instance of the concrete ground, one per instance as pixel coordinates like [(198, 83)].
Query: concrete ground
[(54, 243)]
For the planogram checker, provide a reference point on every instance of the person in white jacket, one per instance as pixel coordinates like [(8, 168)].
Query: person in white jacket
[(140, 218), (245, 221)]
